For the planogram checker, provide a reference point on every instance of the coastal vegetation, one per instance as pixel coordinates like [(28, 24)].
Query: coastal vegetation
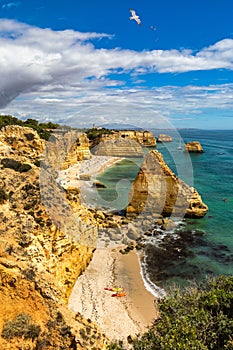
[(199, 317), (44, 129), (94, 133), (21, 326)]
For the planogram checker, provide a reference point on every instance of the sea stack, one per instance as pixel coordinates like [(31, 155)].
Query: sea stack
[(157, 189), (193, 147)]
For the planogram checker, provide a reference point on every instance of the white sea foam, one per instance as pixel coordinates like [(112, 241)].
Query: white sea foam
[(158, 292)]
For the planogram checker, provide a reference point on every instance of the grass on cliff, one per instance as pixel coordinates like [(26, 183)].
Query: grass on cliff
[(197, 318), (21, 326)]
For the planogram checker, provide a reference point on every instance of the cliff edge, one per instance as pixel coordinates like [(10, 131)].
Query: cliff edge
[(39, 261)]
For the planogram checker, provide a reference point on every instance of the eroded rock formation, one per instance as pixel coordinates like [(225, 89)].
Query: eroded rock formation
[(157, 189), (193, 147), (42, 252), (67, 148), (118, 147), (164, 138), (21, 143), (144, 138)]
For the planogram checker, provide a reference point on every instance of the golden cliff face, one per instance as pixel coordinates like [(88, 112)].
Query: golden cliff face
[(66, 148), (118, 147), (157, 189), (39, 262), (20, 143), (164, 138), (143, 138), (193, 147)]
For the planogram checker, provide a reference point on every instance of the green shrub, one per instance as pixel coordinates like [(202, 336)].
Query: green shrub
[(115, 346), (95, 132), (43, 129), (196, 318), (21, 326)]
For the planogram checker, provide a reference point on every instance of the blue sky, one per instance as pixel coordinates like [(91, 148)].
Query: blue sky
[(84, 63)]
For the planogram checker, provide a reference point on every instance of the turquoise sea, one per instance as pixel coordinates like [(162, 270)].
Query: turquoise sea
[(198, 247)]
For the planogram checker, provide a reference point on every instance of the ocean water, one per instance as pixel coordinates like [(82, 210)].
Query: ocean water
[(199, 247)]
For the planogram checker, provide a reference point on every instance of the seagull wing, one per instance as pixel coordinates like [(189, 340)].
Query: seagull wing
[(132, 12)]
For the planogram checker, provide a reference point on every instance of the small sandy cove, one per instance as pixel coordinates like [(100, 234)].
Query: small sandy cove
[(118, 317)]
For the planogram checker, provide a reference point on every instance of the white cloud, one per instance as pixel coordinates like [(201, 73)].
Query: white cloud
[(10, 5), (52, 74)]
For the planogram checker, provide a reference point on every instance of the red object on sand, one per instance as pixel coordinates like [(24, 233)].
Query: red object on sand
[(119, 295)]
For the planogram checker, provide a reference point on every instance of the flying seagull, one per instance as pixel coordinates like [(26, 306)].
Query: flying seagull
[(135, 17)]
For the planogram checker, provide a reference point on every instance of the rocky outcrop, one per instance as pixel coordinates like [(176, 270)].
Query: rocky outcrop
[(193, 147), (47, 239), (21, 143), (144, 138), (118, 147), (67, 148), (164, 138), (157, 189), (32, 317)]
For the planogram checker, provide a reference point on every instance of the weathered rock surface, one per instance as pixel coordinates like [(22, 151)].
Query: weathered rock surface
[(67, 148), (164, 138), (144, 138), (21, 143), (118, 147), (157, 189), (193, 147), (42, 252)]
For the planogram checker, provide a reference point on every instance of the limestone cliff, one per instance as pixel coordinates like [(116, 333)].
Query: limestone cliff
[(118, 147), (41, 255), (21, 143), (193, 147), (144, 138), (67, 148), (157, 189), (164, 138)]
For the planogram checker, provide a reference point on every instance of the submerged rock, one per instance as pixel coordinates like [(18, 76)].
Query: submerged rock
[(157, 189)]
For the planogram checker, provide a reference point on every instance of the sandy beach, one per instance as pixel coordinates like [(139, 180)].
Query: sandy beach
[(78, 174), (118, 317)]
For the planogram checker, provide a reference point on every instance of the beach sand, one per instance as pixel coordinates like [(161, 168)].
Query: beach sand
[(87, 168), (117, 317)]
